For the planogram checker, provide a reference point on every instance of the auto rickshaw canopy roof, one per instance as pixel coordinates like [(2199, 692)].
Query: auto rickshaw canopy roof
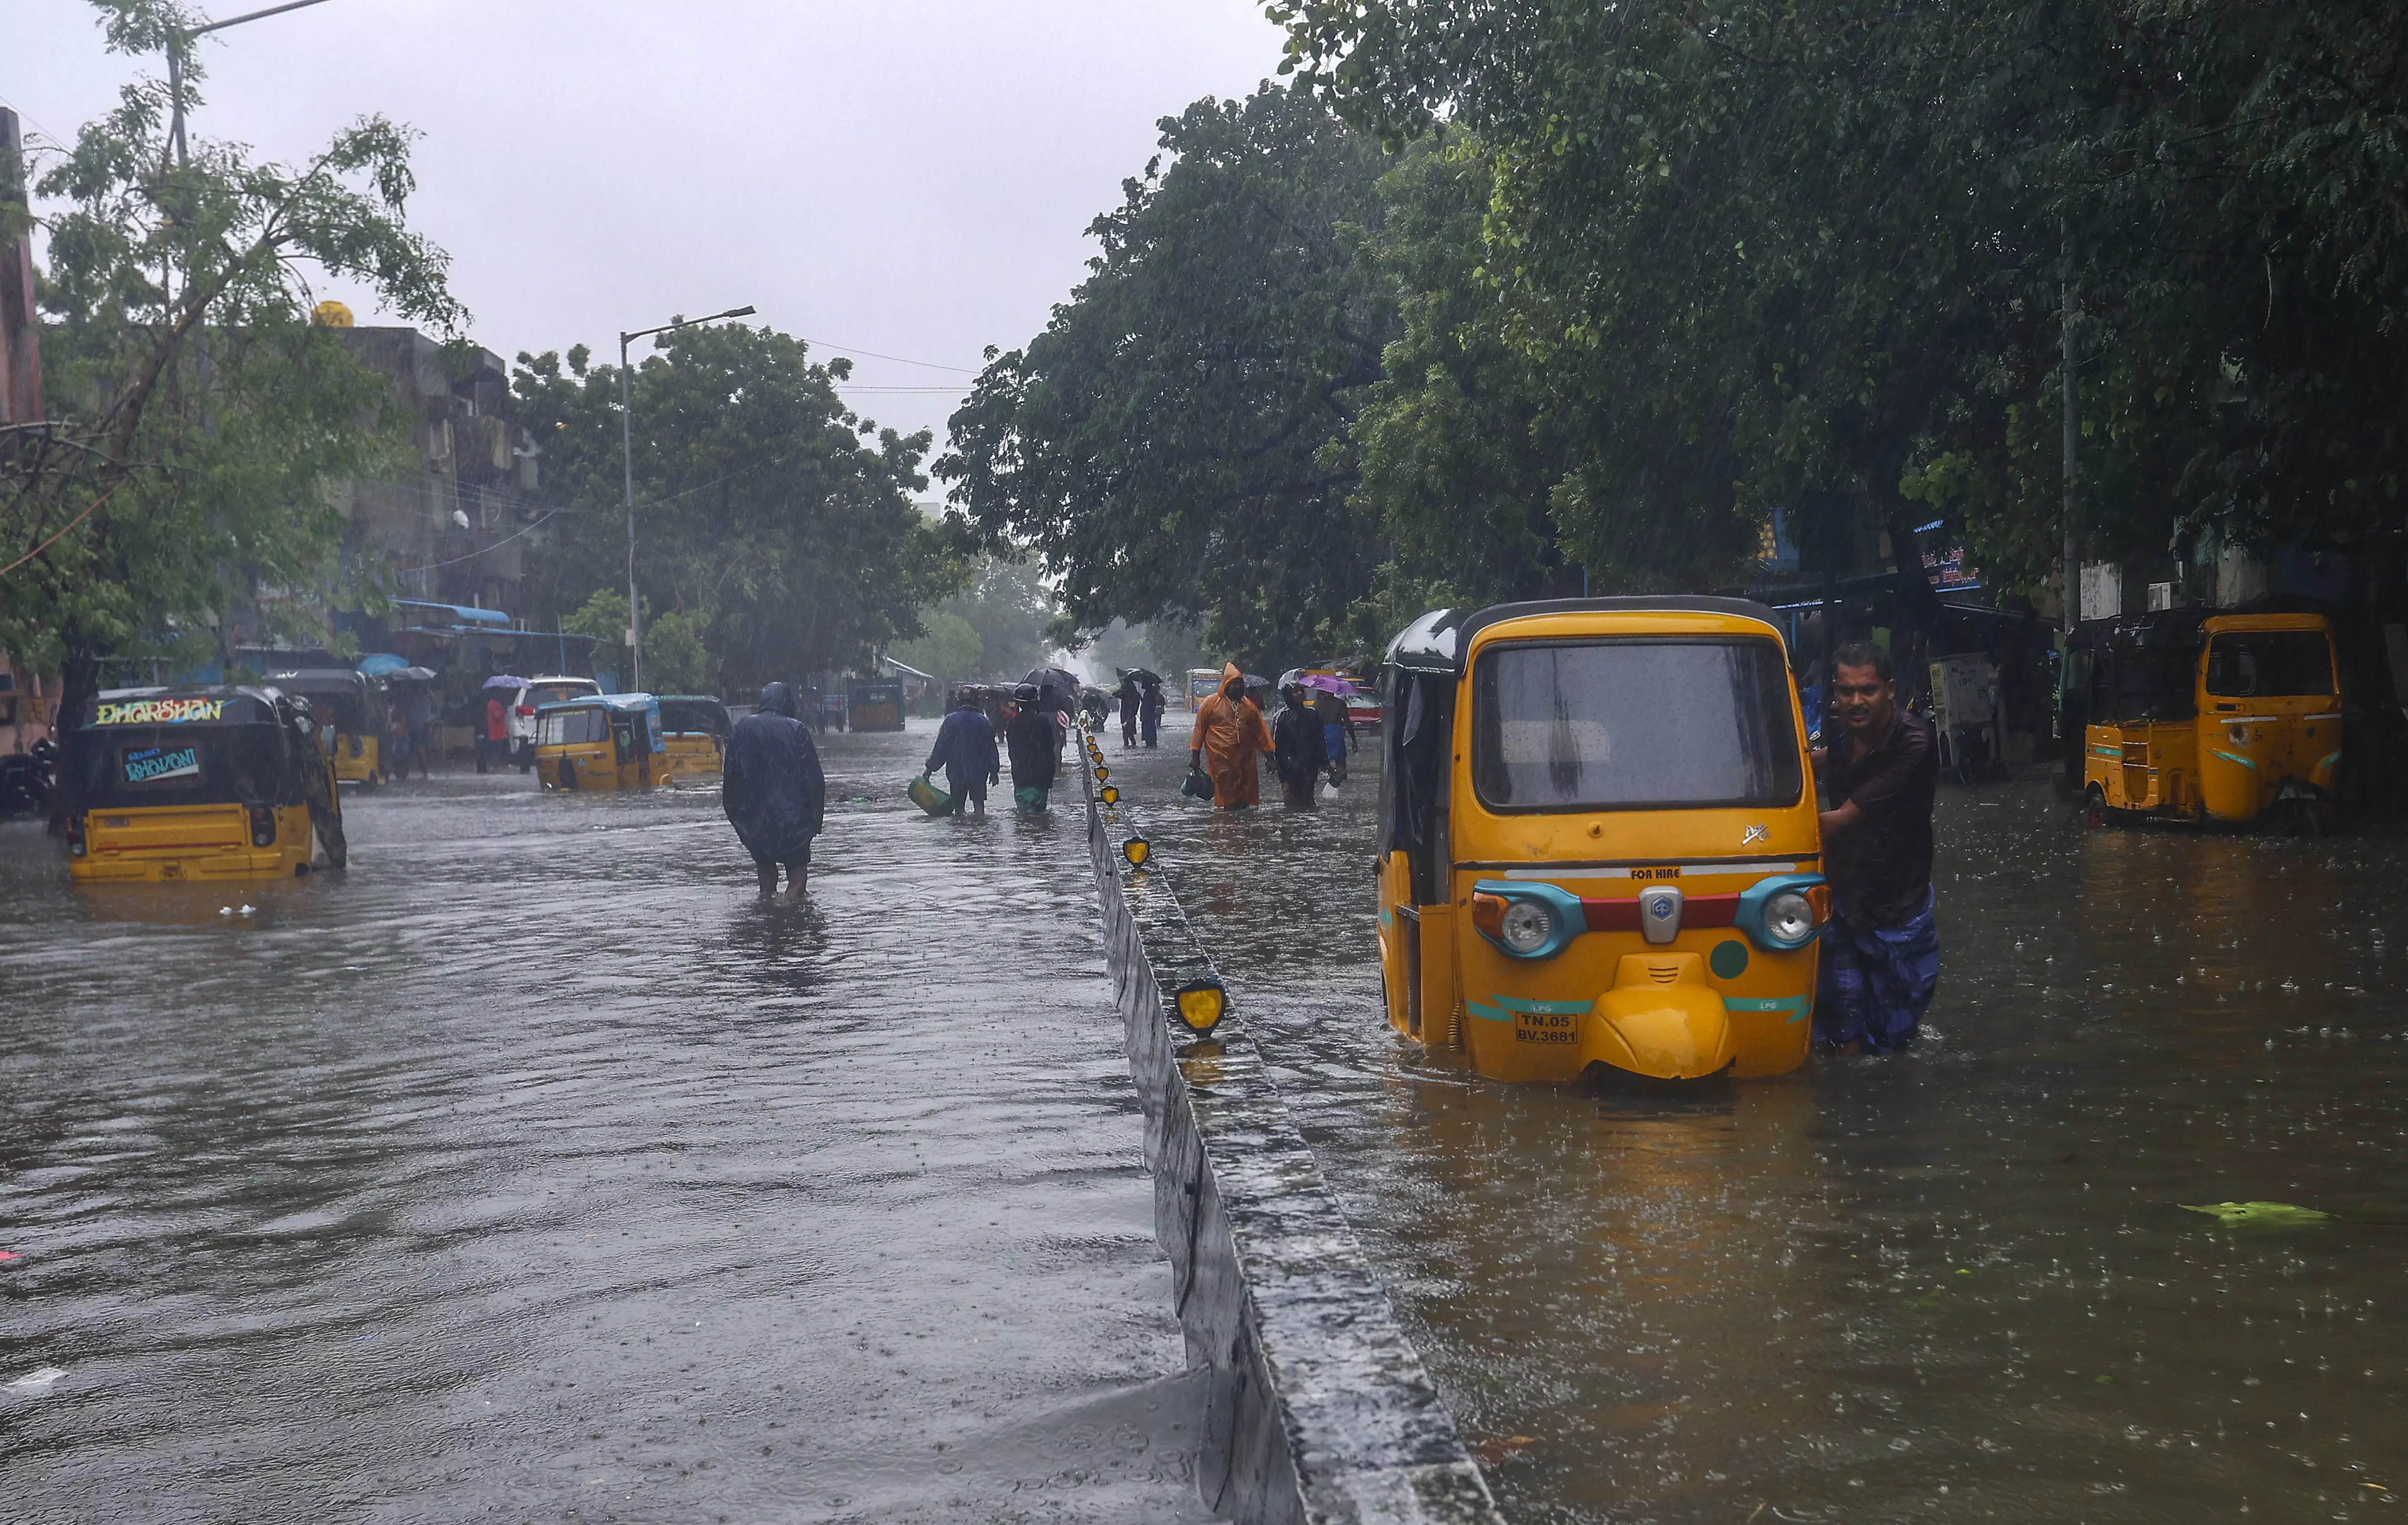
[(622, 703), (704, 705), (1437, 642), (220, 704)]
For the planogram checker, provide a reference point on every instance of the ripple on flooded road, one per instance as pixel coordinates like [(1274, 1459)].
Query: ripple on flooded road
[(534, 1169), (1956, 1283)]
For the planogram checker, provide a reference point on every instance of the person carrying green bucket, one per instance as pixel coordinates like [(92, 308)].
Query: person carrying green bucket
[(964, 749)]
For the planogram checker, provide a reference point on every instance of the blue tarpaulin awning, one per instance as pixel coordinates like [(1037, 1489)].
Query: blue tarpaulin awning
[(466, 616)]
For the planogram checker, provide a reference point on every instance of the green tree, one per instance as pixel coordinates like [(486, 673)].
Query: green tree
[(767, 515), (1759, 250), (174, 486), (1176, 443), (949, 648)]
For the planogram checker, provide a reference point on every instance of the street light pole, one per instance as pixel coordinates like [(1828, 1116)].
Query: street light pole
[(176, 64), (627, 471)]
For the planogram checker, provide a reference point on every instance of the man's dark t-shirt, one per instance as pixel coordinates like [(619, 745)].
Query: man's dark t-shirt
[(1881, 868)]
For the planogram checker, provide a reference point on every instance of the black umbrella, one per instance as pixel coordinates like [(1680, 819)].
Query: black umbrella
[(1066, 686), (1143, 675)]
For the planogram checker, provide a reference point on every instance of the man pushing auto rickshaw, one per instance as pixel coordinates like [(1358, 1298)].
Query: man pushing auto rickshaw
[(1880, 952)]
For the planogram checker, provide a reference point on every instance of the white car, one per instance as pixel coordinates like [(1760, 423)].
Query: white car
[(537, 694)]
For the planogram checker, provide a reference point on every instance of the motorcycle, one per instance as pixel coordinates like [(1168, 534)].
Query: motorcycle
[(26, 779)]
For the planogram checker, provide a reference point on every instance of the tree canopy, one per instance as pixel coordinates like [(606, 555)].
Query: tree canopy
[(771, 520), (1177, 443), (1761, 249), (198, 422)]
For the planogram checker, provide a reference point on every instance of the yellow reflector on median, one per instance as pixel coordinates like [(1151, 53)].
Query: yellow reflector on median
[(1200, 1005), (1137, 850), (1112, 796)]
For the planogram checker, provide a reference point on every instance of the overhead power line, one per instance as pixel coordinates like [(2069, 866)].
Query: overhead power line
[(850, 350)]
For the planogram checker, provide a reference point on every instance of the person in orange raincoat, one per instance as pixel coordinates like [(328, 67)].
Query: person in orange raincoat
[(1230, 734)]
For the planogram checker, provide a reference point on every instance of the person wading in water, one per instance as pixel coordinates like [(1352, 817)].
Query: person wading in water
[(773, 790), (1301, 753), (965, 750), (1881, 954), (1229, 736)]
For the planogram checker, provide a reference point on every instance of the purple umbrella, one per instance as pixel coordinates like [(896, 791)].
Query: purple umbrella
[(1329, 684), (503, 680)]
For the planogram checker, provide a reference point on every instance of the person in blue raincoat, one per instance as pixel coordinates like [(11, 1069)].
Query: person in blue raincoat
[(773, 790), (965, 750)]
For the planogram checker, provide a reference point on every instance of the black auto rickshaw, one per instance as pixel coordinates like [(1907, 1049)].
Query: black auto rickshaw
[(349, 714), (179, 784)]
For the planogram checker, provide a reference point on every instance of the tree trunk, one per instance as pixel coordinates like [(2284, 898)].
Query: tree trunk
[(80, 680)]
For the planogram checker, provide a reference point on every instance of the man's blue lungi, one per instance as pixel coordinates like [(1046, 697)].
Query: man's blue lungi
[(1877, 982)]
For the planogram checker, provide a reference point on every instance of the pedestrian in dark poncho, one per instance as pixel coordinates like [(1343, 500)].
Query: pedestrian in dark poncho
[(1035, 742), (773, 790)]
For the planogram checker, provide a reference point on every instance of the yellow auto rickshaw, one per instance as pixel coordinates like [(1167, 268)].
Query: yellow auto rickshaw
[(606, 742), (1598, 841), (188, 783), (349, 716), (694, 728), (2183, 715)]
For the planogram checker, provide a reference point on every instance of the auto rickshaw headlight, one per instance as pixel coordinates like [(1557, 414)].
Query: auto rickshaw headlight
[(1525, 927), (1784, 913), (1788, 917), (1526, 920)]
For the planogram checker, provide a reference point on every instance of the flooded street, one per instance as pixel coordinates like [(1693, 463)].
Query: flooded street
[(1956, 1284), (533, 1170)]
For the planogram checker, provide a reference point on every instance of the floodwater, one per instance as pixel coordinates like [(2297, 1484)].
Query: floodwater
[(533, 1170), (1954, 1284)]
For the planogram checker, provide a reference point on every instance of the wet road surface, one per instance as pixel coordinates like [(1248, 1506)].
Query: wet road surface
[(1956, 1284), (533, 1170)]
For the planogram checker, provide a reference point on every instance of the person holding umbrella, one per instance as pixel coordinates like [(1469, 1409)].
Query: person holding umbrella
[(1130, 693), (494, 736), (1149, 712), (1298, 752), (1034, 740)]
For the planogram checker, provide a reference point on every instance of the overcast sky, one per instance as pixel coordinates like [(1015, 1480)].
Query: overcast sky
[(910, 176)]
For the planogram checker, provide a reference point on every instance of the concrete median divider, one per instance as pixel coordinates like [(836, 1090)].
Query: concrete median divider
[(1319, 1409)]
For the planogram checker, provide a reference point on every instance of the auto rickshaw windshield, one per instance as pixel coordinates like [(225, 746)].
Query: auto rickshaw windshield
[(1633, 723), (2269, 663), (117, 768)]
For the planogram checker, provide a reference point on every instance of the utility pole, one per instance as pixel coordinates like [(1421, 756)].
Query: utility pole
[(21, 353), (2066, 300), (628, 467)]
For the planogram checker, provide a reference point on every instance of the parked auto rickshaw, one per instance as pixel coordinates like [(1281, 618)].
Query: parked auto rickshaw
[(607, 741), (2183, 715), (1598, 842), (694, 729), (186, 784), (349, 714)]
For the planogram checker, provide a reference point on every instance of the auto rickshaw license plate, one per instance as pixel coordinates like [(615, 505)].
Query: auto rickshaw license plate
[(1542, 1027)]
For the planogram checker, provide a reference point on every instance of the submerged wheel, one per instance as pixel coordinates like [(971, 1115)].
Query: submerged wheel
[(2094, 807), (567, 774)]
